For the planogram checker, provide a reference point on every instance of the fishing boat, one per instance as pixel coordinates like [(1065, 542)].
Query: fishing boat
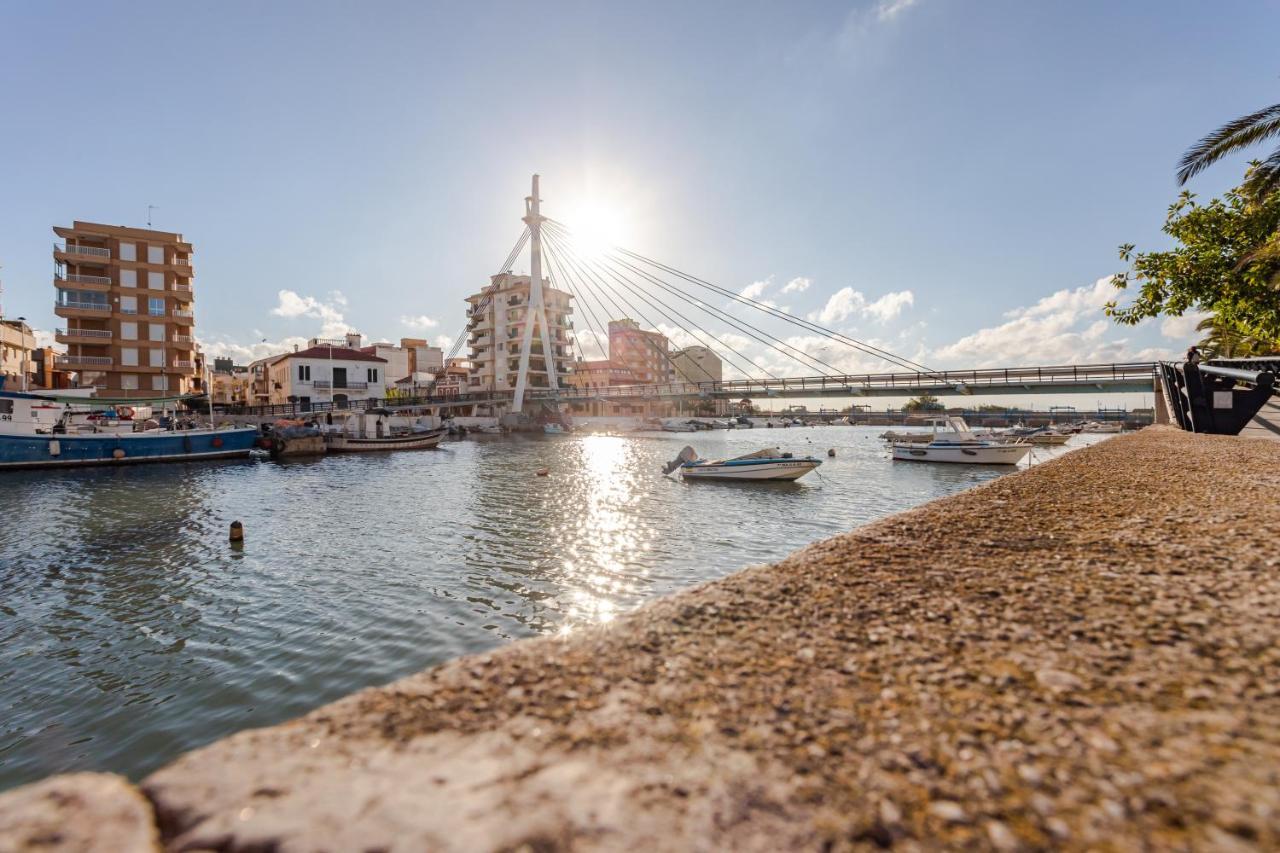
[(767, 464), (379, 430), (959, 444), (45, 431), (290, 438)]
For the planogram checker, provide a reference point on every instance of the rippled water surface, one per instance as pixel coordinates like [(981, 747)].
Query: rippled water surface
[(130, 630)]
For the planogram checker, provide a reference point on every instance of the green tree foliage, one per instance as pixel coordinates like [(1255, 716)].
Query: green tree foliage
[(1223, 342), (924, 403), (1226, 261)]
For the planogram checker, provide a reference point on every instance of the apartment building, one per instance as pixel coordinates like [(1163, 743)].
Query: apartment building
[(495, 326), (646, 354), (423, 357), (697, 364), (17, 351), (127, 296), (600, 375)]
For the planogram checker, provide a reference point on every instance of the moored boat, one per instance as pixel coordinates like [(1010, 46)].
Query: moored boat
[(36, 431), (959, 444), (378, 430), (767, 464)]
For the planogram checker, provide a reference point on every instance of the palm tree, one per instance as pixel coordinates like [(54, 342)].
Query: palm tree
[(1235, 136), (1222, 341)]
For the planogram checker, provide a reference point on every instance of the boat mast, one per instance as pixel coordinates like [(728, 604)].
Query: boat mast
[(536, 309)]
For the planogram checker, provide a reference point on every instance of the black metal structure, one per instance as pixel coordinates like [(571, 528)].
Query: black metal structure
[(1208, 397)]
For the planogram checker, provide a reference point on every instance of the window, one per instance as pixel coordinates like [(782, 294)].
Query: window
[(155, 306), (157, 331), (304, 373), (159, 382), (128, 305), (155, 280), (373, 374), (155, 254), (128, 278), (156, 357), (129, 381), (128, 252), (129, 331), (129, 357)]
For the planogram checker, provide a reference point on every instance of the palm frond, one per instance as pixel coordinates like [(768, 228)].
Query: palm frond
[(1264, 177), (1232, 136)]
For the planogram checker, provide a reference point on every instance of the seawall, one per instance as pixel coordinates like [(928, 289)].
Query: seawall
[(1081, 655)]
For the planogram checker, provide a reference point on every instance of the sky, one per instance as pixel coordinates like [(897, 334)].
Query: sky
[(949, 180)]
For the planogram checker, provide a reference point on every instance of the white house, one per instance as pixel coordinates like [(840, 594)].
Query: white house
[(326, 372)]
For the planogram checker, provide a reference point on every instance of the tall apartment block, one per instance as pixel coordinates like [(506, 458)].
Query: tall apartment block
[(644, 354), (495, 326), (127, 297)]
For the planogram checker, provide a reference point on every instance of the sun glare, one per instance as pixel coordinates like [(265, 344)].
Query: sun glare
[(597, 226)]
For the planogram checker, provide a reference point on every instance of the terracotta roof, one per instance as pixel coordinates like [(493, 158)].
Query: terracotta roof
[(341, 353)]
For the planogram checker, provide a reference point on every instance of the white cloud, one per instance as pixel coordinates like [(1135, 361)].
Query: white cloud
[(887, 10), (797, 285), (863, 20), (756, 289), (890, 305), (444, 342), (291, 304), (1183, 328), (246, 353), (1065, 327), (420, 321)]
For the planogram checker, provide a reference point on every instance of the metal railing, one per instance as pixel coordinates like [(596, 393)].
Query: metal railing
[(82, 279), (180, 339), (182, 262), (72, 249), (84, 333), (84, 306), (182, 288), (184, 365), (180, 312), (91, 360)]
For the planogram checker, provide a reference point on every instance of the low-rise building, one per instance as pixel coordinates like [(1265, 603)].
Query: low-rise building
[(600, 375), (326, 372), (17, 345)]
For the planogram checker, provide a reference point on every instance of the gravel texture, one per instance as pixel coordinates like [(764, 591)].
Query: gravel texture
[(77, 813), (1079, 656)]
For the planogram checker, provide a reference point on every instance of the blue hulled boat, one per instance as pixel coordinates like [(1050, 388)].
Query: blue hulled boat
[(41, 431)]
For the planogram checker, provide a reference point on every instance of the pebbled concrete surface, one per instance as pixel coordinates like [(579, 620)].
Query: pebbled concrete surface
[(77, 813)]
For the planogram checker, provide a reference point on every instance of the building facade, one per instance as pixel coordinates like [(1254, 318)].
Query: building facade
[(697, 364), (128, 298), (423, 358), (17, 354), (323, 373), (600, 375), (495, 325), (646, 354)]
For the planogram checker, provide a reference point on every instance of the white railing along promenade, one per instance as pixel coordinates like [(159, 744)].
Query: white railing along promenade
[(73, 249)]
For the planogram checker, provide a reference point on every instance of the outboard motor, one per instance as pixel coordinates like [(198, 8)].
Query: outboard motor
[(686, 455)]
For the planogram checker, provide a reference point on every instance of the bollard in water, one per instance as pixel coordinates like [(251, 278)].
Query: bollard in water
[(237, 531), (831, 452)]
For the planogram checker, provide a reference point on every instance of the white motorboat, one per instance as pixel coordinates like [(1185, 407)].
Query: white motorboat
[(959, 444), (674, 425), (767, 464)]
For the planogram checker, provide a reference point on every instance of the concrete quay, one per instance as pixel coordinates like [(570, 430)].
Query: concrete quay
[(1083, 655)]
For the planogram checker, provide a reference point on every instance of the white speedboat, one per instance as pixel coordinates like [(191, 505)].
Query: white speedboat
[(767, 464), (959, 444)]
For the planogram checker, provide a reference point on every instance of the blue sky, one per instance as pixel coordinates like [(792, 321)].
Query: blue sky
[(363, 165)]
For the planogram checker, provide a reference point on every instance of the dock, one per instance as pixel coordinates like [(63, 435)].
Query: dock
[(1084, 654)]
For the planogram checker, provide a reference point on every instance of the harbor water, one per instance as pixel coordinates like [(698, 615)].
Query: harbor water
[(131, 630)]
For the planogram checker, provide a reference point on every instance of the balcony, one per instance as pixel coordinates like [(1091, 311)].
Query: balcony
[(88, 251), (181, 340), (185, 365), (183, 312), (82, 361), (182, 262), (101, 308), (65, 336), (77, 278), (182, 288)]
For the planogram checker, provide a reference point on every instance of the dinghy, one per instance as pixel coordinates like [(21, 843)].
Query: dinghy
[(767, 464)]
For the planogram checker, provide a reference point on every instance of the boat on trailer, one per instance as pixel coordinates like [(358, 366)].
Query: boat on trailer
[(767, 464), (959, 444), (41, 431)]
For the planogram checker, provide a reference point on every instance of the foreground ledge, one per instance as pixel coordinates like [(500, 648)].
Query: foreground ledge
[(1081, 655)]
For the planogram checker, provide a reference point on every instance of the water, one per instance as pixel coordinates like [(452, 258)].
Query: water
[(131, 631)]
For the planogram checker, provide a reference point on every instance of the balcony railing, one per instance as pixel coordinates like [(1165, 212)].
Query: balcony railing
[(182, 262), (84, 333), (182, 288), (83, 279), (180, 339), (182, 312), (84, 306), (72, 249), (184, 365), (89, 360)]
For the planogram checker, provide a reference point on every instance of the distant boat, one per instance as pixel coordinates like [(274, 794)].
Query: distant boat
[(554, 429), (381, 430), (767, 464), (959, 444), (36, 431)]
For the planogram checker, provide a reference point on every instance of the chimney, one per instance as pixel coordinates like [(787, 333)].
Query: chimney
[(353, 340)]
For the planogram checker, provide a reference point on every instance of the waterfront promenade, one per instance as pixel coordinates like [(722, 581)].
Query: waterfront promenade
[(1083, 654)]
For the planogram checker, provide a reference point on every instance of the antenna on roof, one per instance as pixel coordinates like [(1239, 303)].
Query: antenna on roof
[(150, 208)]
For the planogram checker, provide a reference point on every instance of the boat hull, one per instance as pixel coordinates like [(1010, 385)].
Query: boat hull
[(990, 454), (71, 450), (791, 469), (353, 444)]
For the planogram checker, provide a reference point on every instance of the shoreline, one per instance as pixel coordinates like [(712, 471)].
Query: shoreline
[(1082, 652)]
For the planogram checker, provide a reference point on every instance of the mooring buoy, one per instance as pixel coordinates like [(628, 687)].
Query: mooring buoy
[(237, 531)]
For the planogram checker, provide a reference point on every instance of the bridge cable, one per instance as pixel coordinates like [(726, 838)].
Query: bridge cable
[(487, 294)]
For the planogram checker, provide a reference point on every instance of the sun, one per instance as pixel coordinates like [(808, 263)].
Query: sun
[(597, 226)]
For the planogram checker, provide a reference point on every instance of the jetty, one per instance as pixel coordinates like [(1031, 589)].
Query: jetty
[(1084, 654)]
